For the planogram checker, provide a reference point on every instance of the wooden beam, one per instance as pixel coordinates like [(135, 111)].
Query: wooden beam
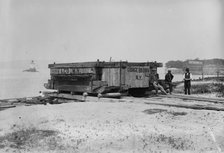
[(66, 96), (193, 106), (6, 106), (190, 97)]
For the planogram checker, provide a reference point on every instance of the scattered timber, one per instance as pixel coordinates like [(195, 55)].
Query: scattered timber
[(112, 95), (80, 98), (193, 106), (6, 106), (181, 101), (190, 97), (77, 98), (25, 100)]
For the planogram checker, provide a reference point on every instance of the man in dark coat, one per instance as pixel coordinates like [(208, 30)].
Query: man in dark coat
[(187, 81), (168, 80)]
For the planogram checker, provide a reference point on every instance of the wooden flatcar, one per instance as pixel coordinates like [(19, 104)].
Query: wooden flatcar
[(101, 77)]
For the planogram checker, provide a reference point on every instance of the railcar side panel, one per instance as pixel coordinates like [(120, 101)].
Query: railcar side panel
[(94, 76), (136, 76), (111, 76)]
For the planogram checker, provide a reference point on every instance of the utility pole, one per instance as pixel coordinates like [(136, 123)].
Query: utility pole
[(217, 72), (202, 70)]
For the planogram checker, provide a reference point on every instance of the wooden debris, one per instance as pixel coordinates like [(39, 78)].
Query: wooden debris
[(189, 106), (26, 100), (78, 98), (111, 95), (2, 107), (190, 97)]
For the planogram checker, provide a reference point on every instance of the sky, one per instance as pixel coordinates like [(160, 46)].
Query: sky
[(133, 30)]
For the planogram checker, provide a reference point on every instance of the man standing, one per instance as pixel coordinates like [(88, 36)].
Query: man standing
[(187, 81), (168, 80), (154, 78)]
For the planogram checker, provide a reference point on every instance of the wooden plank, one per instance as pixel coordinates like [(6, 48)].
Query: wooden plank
[(12, 100), (111, 95), (6, 107), (104, 64), (197, 107), (81, 64), (190, 97), (26, 100), (66, 96), (111, 76), (80, 98)]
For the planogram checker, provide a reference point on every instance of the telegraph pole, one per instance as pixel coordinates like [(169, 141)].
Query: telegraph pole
[(202, 70)]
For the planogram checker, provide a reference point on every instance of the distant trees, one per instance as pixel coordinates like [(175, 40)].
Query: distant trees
[(175, 64), (215, 61), (182, 64)]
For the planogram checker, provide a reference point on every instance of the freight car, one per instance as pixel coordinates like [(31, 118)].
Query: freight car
[(101, 77)]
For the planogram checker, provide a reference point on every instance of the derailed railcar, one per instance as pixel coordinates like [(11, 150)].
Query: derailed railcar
[(101, 77)]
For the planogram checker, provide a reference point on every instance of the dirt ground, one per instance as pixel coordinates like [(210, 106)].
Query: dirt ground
[(110, 126)]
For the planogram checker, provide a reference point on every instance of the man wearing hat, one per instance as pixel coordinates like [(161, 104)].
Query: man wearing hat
[(168, 80), (187, 81)]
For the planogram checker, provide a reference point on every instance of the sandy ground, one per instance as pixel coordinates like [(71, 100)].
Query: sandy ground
[(109, 126)]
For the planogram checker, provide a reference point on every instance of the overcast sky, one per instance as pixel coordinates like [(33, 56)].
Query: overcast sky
[(133, 30)]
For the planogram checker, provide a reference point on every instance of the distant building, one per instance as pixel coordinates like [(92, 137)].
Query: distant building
[(213, 69), (32, 67), (195, 66)]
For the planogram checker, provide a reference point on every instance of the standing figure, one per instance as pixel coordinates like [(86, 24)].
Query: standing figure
[(41, 94), (187, 81), (168, 80), (85, 94), (154, 78)]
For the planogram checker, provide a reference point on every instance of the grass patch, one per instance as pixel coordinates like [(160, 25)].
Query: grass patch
[(176, 143), (31, 138), (163, 141), (26, 137), (204, 88), (219, 88)]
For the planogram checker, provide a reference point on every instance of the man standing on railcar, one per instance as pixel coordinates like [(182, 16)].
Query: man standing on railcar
[(187, 81)]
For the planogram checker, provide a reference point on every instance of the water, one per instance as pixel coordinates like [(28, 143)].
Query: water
[(16, 84)]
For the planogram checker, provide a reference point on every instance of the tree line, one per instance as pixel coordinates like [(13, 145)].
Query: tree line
[(181, 64)]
